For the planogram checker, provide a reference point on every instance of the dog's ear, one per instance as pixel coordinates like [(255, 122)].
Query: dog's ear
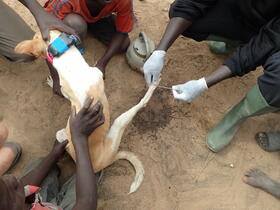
[(35, 47)]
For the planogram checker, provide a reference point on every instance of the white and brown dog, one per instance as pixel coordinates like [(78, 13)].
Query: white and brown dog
[(79, 81)]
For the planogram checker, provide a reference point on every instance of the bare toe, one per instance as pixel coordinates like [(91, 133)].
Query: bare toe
[(259, 179), (262, 140)]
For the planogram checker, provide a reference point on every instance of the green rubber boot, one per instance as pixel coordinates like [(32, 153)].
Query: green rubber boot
[(221, 45), (251, 105)]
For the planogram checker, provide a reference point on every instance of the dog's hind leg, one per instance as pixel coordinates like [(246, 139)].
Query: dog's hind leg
[(116, 131), (115, 134)]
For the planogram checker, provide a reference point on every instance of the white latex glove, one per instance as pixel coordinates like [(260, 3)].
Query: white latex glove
[(190, 90), (153, 66)]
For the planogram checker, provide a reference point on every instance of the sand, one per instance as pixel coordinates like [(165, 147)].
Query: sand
[(168, 136)]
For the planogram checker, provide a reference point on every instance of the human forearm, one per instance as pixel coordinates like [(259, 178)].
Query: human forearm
[(154, 65), (248, 57), (82, 124), (34, 7), (220, 74), (113, 48), (45, 20), (175, 27), (36, 176), (192, 89), (86, 190)]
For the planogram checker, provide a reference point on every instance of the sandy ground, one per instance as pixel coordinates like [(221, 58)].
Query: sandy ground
[(168, 136)]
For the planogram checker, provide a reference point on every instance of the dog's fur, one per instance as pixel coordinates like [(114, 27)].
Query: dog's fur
[(79, 81)]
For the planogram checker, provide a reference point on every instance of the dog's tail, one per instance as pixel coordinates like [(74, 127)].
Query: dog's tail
[(136, 163)]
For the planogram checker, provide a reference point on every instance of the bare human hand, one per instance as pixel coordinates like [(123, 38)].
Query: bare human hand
[(45, 20), (83, 123), (59, 148)]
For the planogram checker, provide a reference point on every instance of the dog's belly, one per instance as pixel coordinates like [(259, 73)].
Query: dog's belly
[(101, 152), (80, 81)]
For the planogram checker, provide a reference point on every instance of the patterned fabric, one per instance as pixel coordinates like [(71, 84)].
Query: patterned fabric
[(38, 205), (122, 8)]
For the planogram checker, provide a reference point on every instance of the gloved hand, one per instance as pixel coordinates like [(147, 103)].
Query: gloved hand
[(190, 90), (153, 66)]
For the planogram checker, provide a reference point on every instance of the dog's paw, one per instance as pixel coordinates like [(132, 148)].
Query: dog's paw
[(64, 94), (61, 135), (50, 81)]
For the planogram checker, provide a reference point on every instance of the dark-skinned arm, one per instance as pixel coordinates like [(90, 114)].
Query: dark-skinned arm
[(193, 88), (86, 189), (245, 59), (182, 13), (115, 47), (45, 21), (248, 57), (175, 27), (253, 54), (220, 74), (154, 65), (82, 125), (36, 176)]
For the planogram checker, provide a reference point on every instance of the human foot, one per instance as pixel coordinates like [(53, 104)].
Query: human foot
[(10, 153), (268, 141), (259, 179)]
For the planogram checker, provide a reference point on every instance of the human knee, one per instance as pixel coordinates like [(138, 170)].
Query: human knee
[(21, 58), (76, 22), (269, 82), (170, 12), (3, 133), (12, 56)]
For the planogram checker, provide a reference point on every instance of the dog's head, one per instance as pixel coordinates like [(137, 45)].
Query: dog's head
[(35, 47)]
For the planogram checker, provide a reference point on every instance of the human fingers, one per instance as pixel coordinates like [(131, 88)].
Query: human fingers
[(86, 105), (73, 113), (97, 116)]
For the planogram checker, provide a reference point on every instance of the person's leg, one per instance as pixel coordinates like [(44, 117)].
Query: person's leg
[(259, 179), (269, 86), (76, 22), (10, 152), (263, 98), (50, 185), (268, 141), (251, 105), (66, 198), (3, 134), (104, 30), (221, 23), (12, 31)]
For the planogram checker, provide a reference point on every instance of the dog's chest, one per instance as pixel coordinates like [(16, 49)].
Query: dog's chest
[(74, 70)]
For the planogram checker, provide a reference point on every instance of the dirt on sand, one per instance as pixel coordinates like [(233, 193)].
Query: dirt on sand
[(168, 136)]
